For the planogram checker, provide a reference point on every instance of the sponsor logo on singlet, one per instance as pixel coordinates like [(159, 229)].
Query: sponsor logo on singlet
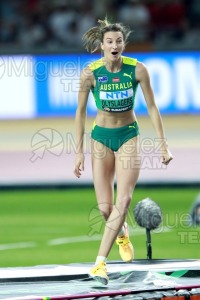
[(117, 101), (128, 75), (117, 95)]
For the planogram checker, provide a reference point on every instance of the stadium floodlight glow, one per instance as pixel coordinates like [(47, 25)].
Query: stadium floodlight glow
[(148, 214)]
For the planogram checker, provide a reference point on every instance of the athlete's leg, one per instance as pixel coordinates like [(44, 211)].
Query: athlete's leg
[(127, 173), (103, 168), (127, 166)]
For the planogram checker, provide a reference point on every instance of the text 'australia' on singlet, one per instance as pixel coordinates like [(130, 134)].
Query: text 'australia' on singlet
[(115, 92)]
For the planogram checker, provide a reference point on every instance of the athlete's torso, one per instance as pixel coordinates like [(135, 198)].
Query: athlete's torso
[(115, 92)]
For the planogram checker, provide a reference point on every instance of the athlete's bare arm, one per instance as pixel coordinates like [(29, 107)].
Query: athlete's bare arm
[(86, 83), (142, 76)]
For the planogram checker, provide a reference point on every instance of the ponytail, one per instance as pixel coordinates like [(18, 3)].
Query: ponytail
[(93, 38)]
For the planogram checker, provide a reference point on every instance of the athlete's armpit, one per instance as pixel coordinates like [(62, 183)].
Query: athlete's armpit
[(86, 80)]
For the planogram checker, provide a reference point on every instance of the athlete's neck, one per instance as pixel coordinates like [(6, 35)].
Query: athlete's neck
[(113, 66)]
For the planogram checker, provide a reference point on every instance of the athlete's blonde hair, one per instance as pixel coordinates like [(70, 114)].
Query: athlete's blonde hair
[(93, 38)]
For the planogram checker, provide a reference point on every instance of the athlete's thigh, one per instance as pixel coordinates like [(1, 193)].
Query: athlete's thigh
[(103, 168), (127, 167)]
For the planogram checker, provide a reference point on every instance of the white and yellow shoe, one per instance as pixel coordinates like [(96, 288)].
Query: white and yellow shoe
[(99, 273), (126, 250)]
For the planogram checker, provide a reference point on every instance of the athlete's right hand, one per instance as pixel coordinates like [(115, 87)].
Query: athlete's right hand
[(79, 164)]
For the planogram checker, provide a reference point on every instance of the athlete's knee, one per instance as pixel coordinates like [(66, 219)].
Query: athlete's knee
[(105, 210), (105, 214), (123, 203)]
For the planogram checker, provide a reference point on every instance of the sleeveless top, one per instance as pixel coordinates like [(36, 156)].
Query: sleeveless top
[(115, 92)]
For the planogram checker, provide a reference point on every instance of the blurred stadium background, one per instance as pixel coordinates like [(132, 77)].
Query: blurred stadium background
[(46, 215)]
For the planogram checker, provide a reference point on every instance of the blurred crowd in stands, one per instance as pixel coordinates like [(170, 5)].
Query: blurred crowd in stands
[(51, 25)]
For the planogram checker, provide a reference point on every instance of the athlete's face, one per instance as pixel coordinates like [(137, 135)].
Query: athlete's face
[(113, 44)]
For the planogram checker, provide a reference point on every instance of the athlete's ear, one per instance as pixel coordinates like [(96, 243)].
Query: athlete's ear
[(102, 46)]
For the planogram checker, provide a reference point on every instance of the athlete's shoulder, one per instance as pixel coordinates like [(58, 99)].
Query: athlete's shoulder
[(141, 71), (87, 74), (129, 60), (96, 64), (141, 67)]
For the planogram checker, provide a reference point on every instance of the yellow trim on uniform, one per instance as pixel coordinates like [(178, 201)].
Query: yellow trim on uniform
[(99, 63), (94, 124), (129, 61), (96, 64)]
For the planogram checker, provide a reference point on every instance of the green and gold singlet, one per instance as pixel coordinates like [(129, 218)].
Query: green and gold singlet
[(115, 92)]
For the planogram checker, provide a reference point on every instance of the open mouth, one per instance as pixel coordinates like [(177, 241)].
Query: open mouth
[(114, 53)]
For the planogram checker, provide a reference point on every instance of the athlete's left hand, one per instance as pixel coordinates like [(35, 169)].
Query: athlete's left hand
[(166, 157)]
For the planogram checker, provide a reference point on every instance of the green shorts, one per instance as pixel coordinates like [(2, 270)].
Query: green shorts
[(114, 138)]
